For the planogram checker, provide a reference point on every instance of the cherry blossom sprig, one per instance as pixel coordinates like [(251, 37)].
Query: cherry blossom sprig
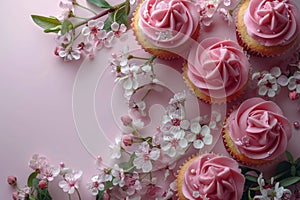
[(282, 186), (270, 82), (43, 174), (77, 36), (208, 8)]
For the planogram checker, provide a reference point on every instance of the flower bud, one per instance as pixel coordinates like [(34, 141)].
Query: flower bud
[(126, 120), (12, 180), (42, 184), (293, 95), (127, 140)]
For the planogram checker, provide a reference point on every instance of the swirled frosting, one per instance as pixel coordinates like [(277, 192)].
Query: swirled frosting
[(258, 129), (214, 177), (272, 22), (168, 23), (217, 67)]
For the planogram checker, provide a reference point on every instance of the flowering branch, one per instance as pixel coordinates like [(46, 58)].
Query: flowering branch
[(73, 42)]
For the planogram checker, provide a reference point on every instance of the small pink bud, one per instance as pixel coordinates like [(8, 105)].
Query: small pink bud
[(293, 95), (127, 140), (62, 165), (12, 180), (42, 184), (126, 120), (56, 51)]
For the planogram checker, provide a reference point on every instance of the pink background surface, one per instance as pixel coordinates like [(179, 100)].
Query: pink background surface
[(36, 100)]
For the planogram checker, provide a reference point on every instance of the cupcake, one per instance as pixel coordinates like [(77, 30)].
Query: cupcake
[(210, 176), (267, 27), (166, 27), (217, 70), (256, 132)]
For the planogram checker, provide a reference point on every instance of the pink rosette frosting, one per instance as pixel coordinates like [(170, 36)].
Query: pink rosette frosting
[(272, 22), (259, 129), (217, 67), (213, 177), (168, 23)]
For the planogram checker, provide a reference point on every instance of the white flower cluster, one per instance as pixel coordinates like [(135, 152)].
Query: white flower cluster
[(174, 137), (270, 82), (94, 37), (271, 191), (208, 8)]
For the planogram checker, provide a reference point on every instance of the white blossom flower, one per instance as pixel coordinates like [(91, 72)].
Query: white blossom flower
[(268, 85), (70, 182), (145, 157), (23, 193), (140, 107), (271, 191), (116, 148), (200, 135), (118, 176), (69, 53), (174, 143), (294, 82), (95, 185), (94, 30)]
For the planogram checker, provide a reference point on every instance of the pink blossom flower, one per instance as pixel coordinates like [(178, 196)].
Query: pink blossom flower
[(70, 182), (94, 30), (132, 183), (145, 157), (49, 172), (95, 185), (118, 29), (69, 54), (38, 162)]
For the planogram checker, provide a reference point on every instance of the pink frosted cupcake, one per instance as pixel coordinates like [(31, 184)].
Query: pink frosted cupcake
[(166, 27), (256, 132), (217, 70), (210, 176), (268, 27)]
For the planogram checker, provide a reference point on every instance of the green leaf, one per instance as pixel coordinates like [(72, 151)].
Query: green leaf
[(100, 3), (289, 157), (127, 7), (289, 181), (251, 178), (283, 166), (293, 170), (46, 23), (31, 177), (66, 26)]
